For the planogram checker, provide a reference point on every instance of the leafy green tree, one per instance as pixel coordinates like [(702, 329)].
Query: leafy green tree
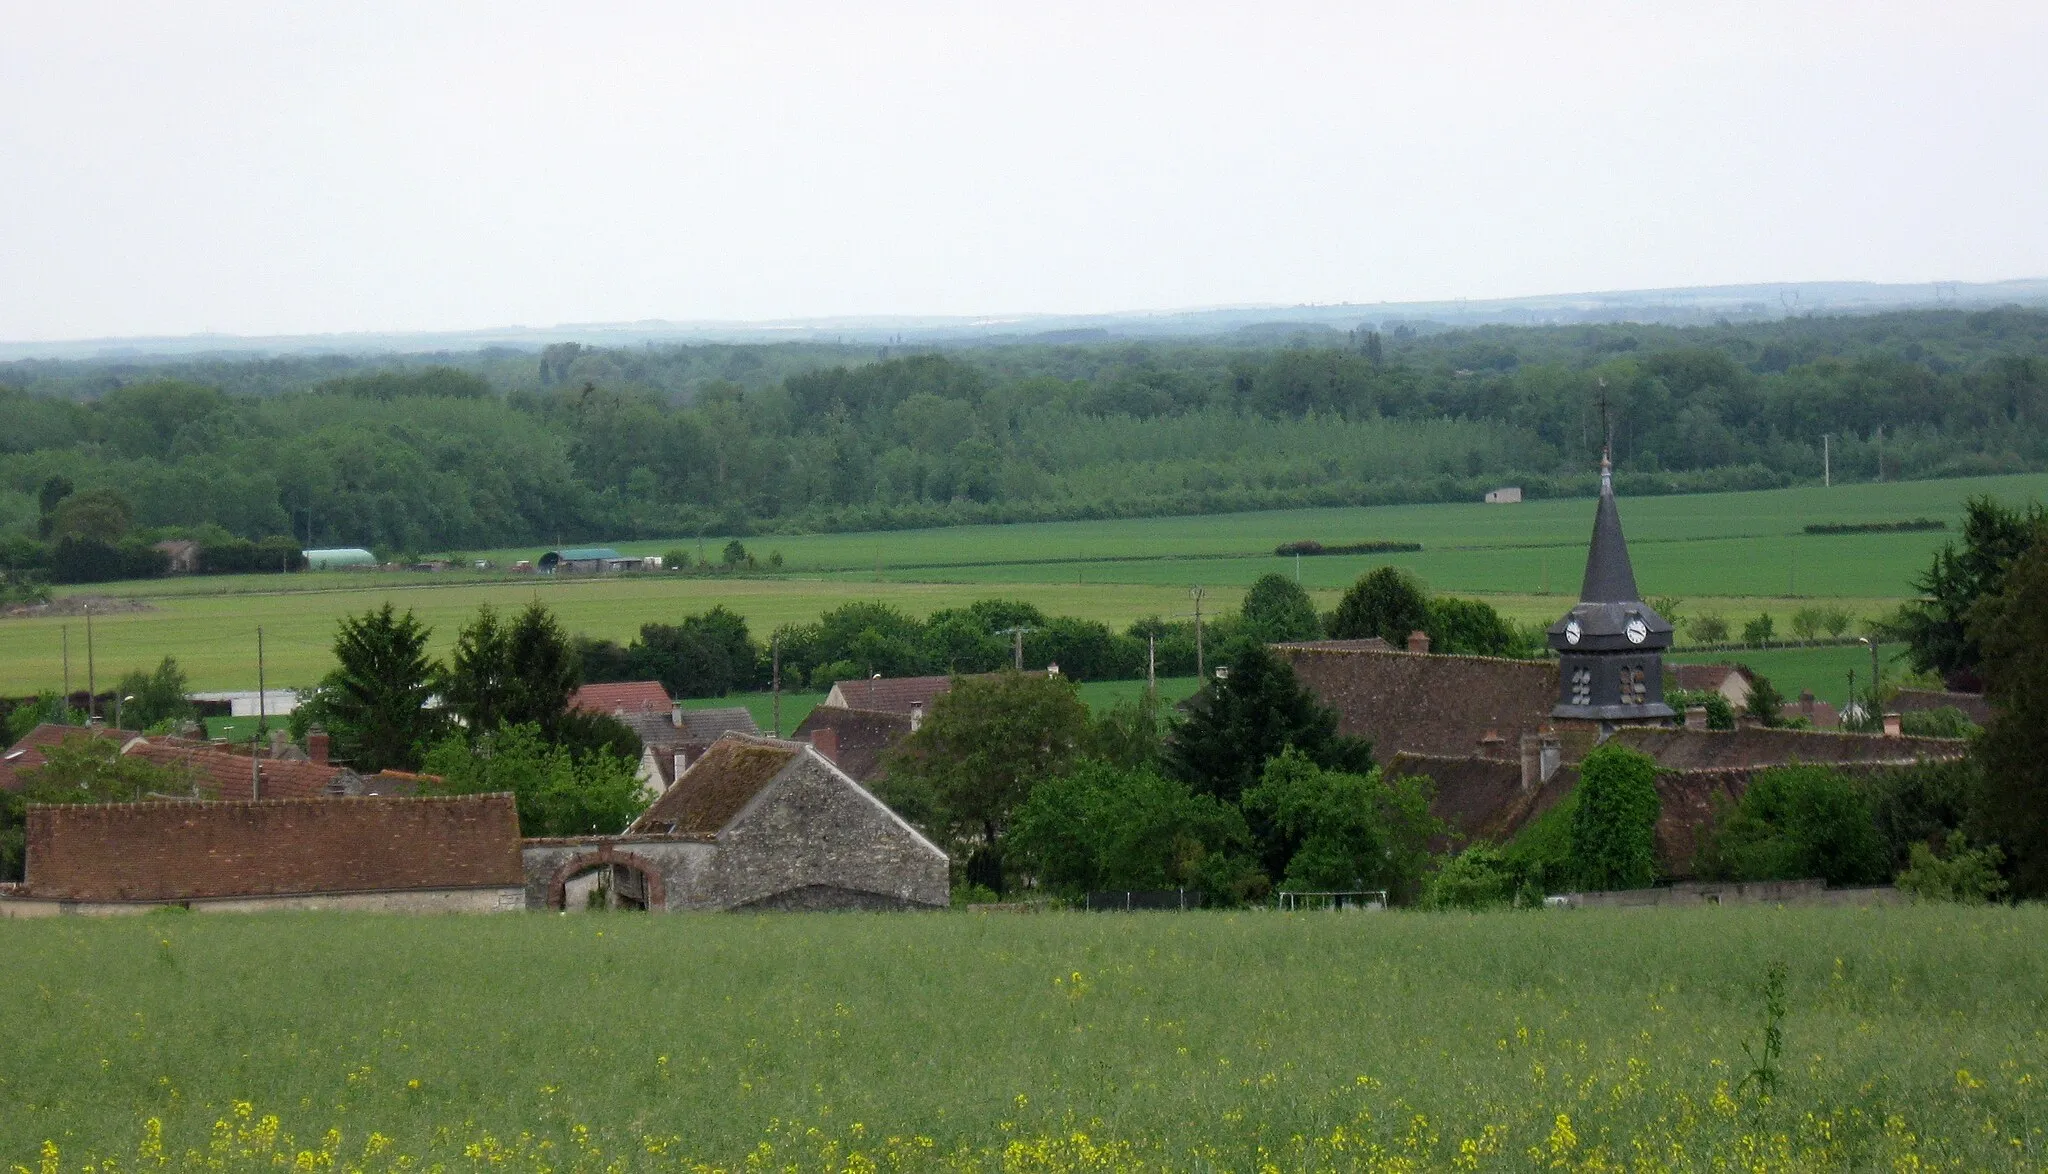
[(1276, 608), (1385, 602), (559, 793), (1254, 712), (44, 707), (155, 698), (1795, 822), (1614, 821), (99, 514), (1765, 704), (1922, 804), (543, 669), (706, 655), (2011, 630), (985, 744), (734, 554), (1936, 627), (374, 703), (1473, 628), (1760, 631), (1343, 830), (1107, 827)]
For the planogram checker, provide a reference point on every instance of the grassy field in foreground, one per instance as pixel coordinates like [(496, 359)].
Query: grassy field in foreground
[(1913, 1039)]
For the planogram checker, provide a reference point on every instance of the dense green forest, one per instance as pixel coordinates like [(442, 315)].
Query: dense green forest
[(420, 453)]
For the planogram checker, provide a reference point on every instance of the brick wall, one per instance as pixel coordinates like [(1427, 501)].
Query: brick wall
[(184, 851)]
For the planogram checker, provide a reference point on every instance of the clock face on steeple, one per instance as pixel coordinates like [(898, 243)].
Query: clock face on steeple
[(1571, 632), (1638, 631)]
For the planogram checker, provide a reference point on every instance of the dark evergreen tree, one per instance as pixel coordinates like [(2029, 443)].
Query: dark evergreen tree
[(1256, 710), (542, 670), (1936, 627), (374, 703), (2011, 628)]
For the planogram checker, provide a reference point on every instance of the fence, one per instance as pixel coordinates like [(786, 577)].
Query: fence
[(1365, 899)]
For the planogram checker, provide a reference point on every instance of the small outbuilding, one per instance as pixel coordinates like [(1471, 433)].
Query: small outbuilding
[(753, 824), (579, 560), (1506, 495)]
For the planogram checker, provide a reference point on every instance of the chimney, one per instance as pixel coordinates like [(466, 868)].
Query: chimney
[(1418, 641), (916, 716), (1492, 744), (675, 714), (825, 740), (1695, 717), (1806, 704), (681, 764), (1532, 762), (1553, 754), (316, 745), (1893, 728), (279, 739)]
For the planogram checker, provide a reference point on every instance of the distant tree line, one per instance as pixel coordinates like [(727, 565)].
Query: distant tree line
[(499, 447)]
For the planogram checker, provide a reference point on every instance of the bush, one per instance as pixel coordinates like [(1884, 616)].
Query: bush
[(1945, 722), (1614, 825), (1796, 822), (1720, 714), (1480, 877), (1104, 827), (1708, 629), (1965, 876)]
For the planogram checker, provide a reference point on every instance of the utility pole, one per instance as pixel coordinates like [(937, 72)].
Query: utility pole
[(1827, 476), (775, 679), (262, 702), (1196, 594), (1016, 636), (91, 683), (1152, 666)]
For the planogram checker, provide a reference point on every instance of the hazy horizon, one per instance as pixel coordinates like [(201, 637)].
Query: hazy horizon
[(250, 171)]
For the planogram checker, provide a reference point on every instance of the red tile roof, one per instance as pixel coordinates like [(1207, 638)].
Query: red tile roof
[(182, 850), (857, 738), (1973, 705), (888, 694), (28, 752), (630, 696), (219, 774)]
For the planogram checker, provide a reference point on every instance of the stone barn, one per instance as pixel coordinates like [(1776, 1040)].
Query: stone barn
[(754, 824)]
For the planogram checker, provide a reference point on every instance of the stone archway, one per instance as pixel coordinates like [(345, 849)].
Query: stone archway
[(653, 892)]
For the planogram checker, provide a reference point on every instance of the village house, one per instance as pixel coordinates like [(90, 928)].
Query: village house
[(857, 741), (754, 824), (1732, 681), (448, 854), (671, 737)]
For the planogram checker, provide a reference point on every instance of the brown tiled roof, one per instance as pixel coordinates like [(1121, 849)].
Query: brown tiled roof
[(1425, 703), (221, 775), (1974, 705), (860, 738), (181, 851), (714, 722), (1477, 798), (1368, 644), (1749, 749), (714, 788), (28, 752), (612, 696), (1706, 676), (891, 694)]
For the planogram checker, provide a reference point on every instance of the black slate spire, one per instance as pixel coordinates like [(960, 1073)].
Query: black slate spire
[(1609, 577)]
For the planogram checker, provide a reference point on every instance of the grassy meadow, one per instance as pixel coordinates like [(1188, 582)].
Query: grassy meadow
[(1735, 554), (1913, 1038)]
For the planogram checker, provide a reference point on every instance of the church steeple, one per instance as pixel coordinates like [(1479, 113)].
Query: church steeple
[(1609, 646)]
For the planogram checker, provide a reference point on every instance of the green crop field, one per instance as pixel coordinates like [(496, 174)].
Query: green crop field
[(1913, 1039), (1736, 554)]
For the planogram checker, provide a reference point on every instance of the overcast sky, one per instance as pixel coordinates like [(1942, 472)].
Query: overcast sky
[(283, 168)]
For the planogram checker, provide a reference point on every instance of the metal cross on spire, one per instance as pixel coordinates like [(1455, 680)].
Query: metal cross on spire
[(1606, 443)]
